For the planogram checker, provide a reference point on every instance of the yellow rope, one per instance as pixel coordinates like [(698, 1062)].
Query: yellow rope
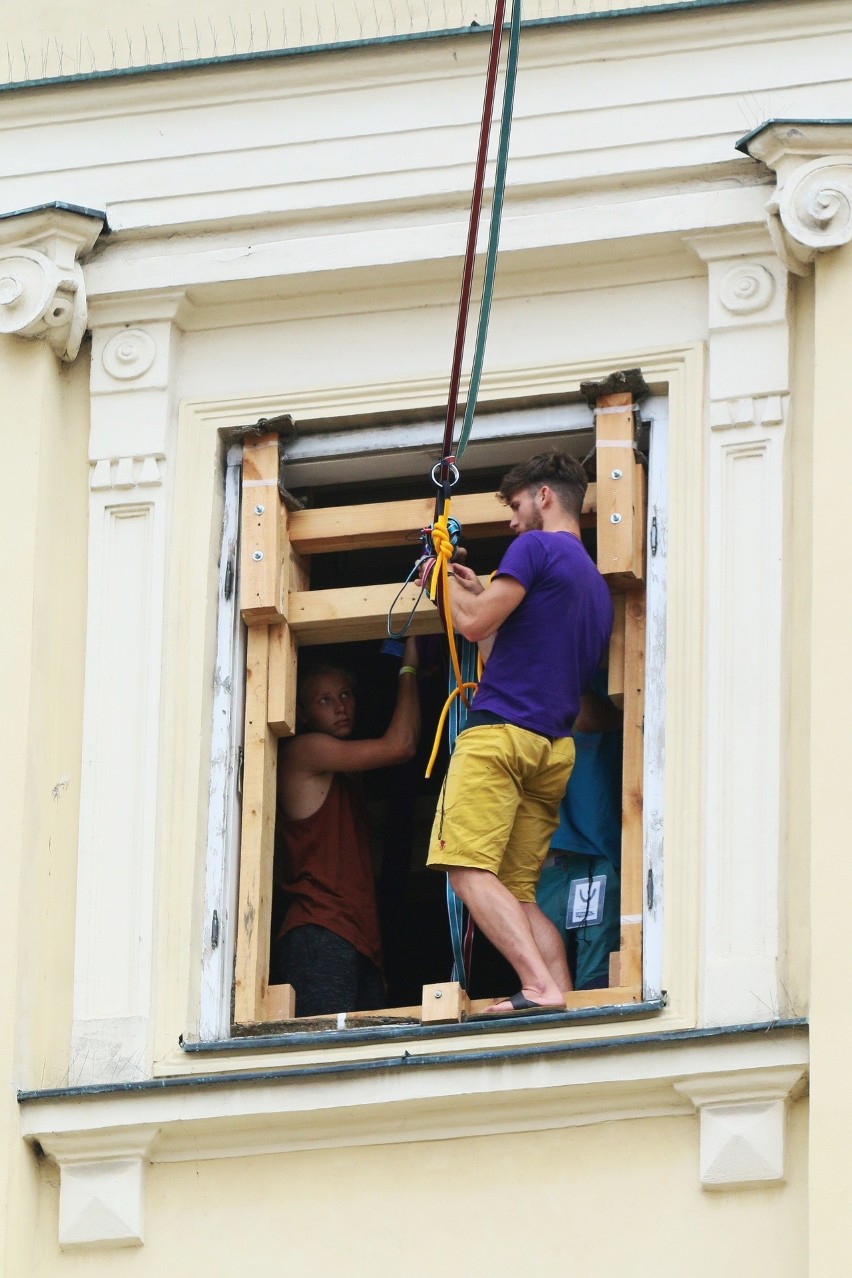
[(443, 546), (455, 692)]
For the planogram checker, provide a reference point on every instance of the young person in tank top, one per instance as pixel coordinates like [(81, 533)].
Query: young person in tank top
[(542, 626), (329, 948)]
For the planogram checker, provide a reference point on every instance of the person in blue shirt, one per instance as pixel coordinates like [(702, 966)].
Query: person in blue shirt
[(580, 889)]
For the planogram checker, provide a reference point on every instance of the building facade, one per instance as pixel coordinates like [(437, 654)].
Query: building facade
[(263, 233)]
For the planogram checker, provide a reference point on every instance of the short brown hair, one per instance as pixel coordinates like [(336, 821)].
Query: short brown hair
[(314, 670), (562, 473)]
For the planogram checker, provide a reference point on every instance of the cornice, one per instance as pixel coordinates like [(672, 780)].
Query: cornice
[(602, 23)]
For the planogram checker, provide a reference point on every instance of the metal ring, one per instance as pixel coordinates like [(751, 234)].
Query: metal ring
[(451, 482)]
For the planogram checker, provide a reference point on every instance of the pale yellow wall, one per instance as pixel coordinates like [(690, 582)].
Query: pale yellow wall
[(617, 1198), (53, 37), (831, 710), (795, 876), (43, 429)]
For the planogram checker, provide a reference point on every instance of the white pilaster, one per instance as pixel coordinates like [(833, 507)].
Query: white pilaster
[(133, 424), (749, 349)]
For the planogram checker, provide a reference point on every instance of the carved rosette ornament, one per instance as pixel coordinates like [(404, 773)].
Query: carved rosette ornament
[(129, 354), (40, 299), (747, 288)]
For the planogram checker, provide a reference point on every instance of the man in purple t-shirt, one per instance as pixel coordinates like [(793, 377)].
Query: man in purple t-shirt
[(542, 627)]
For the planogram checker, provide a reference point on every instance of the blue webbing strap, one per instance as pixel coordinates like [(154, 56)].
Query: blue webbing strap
[(457, 719)]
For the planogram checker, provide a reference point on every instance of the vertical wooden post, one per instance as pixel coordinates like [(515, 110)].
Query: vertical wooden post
[(261, 530), (630, 961), (621, 480), (615, 665), (260, 757), (283, 648), (620, 491)]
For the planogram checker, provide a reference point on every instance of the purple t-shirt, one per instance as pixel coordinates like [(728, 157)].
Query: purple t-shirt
[(547, 650)]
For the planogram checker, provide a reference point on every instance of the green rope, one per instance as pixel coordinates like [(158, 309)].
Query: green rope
[(494, 228)]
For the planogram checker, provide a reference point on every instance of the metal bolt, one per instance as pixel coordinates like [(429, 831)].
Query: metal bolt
[(258, 554), (615, 519), (439, 993), (616, 474), (258, 510)]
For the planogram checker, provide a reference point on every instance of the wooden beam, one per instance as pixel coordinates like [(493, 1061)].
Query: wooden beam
[(630, 969), (261, 600), (396, 523), (358, 612), (279, 1004), (283, 668), (283, 653), (620, 491), (615, 666), (254, 911)]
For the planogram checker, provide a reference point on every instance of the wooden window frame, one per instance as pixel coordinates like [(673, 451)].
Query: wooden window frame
[(282, 614)]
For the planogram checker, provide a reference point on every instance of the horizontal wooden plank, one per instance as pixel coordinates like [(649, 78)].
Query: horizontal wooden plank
[(355, 613), (397, 523), (612, 997), (358, 612)]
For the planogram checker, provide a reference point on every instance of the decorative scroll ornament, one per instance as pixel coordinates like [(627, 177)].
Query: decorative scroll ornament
[(815, 208), (747, 288), (129, 354), (40, 299)]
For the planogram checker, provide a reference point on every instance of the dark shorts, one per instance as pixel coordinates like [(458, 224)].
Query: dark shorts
[(587, 948), (327, 973)]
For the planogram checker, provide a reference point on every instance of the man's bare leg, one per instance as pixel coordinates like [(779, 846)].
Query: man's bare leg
[(507, 925), (551, 946)]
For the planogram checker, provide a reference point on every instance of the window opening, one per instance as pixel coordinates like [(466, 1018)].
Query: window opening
[(292, 596)]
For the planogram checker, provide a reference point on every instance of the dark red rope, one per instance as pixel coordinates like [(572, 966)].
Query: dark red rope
[(473, 230)]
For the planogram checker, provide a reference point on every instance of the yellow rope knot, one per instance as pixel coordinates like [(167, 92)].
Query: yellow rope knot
[(442, 544)]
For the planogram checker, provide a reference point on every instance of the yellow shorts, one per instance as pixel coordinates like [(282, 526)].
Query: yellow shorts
[(499, 804)]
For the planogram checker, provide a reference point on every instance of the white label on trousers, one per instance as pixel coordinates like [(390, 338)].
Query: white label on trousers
[(585, 902)]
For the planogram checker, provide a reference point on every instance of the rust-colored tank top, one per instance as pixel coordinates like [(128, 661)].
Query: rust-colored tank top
[(326, 871)]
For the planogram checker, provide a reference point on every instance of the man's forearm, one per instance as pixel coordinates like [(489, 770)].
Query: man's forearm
[(466, 608)]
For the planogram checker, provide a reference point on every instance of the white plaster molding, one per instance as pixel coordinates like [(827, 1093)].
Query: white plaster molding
[(129, 354), (408, 1100), (811, 209), (747, 288), (125, 473), (756, 411), (101, 1199), (42, 291), (743, 1127)]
